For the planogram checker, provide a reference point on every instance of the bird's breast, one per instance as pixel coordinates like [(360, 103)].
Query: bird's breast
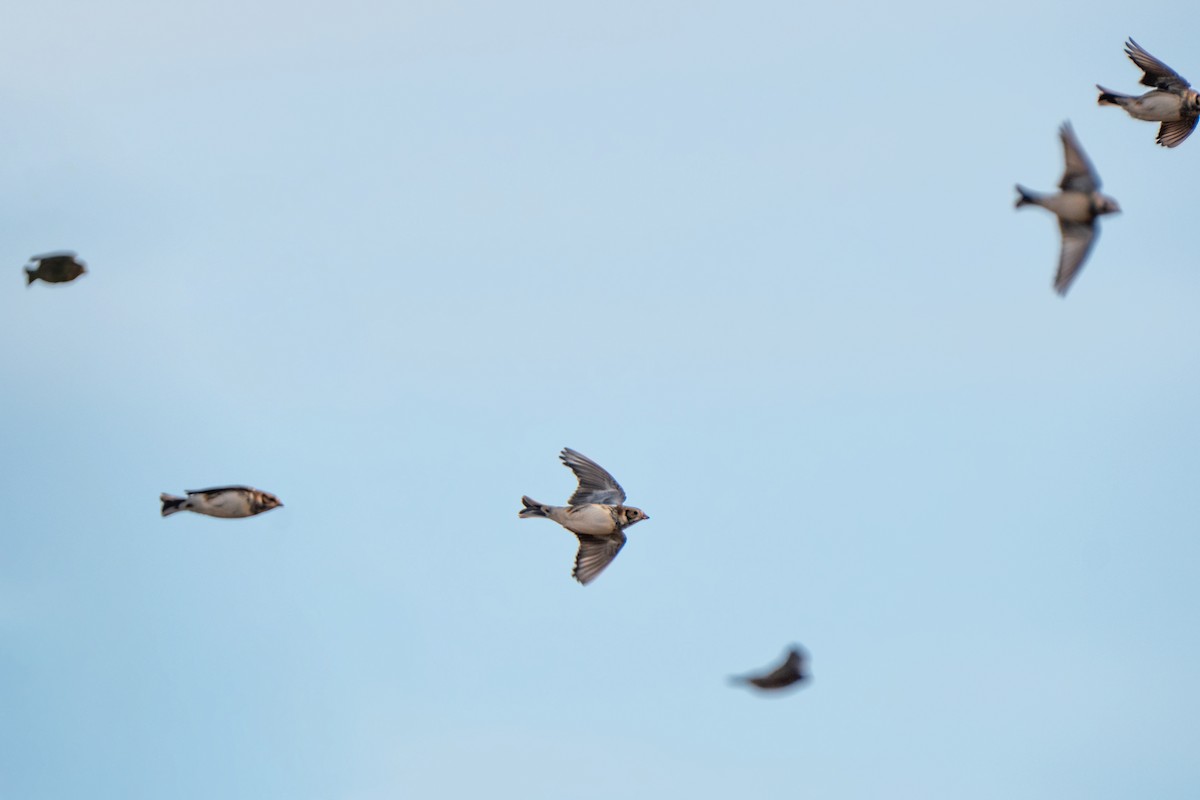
[(1157, 107), (592, 518), (1071, 206), (226, 504)]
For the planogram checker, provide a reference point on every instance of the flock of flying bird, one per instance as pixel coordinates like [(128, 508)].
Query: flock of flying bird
[(596, 513), (1171, 101)]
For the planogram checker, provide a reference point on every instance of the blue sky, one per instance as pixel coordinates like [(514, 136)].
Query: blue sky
[(759, 260)]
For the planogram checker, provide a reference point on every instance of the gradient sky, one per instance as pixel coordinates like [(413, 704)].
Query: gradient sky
[(757, 259)]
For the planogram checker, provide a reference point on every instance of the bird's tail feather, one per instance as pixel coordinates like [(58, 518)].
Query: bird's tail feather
[(1026, 197), (1111, 98), (171, 504), (532, 509)]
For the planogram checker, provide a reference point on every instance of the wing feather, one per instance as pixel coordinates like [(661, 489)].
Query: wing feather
[(1158, 74), (595, 553), (219, 489), (1078, 174), (1077, 240), (595, 484), (1172, 134)]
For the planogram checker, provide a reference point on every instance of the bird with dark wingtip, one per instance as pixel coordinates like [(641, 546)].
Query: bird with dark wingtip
[(58, 267), (596, 514), (792, 671), (1077, 206), (1172, 100)]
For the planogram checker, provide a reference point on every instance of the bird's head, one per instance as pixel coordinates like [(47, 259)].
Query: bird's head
[(267, 501), (630, 515), (1106, 205)]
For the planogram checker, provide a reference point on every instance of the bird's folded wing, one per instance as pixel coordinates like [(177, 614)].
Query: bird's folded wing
[(218, 490)]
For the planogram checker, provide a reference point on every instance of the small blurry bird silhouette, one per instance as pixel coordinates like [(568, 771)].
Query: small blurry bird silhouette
[(1077, 206), (793, 670), (595, 514), (58, 267), (1172, 101), (230, 502)]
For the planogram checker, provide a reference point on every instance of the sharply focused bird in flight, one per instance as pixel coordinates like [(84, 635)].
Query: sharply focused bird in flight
[(1172, 101), (596, 514)]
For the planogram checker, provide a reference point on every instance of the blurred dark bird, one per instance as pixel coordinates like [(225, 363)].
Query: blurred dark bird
[(58, 267), (222, 501), (1077, 206), (1172, 101), (595, 514), (793, 670)]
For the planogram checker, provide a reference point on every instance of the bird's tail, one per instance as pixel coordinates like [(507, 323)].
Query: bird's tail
[(171, 504), (532, 509), (30, 275), (1111, 98), (1026, 198)]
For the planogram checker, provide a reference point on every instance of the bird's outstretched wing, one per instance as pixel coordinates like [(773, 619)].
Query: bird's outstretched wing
[(595, 484), (595, 553), (1077, 241), (1172, 134), (1158, 74), (1078, 174)]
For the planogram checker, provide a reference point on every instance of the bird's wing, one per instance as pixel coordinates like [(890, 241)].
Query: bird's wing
[(54, 254), (595, 553), (787, 673), (1077, 240), (1078, 175), (56, 260), (218, 490), (1171, 134), (797, 661), (1158, 74), (595, 484)]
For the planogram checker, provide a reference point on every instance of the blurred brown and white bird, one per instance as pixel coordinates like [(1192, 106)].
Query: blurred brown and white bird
[(794, 669), (596, 514), (1172, 101), (221, 501), (1077, 206), (57, 267)]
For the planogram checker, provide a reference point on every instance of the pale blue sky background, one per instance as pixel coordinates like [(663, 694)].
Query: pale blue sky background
[(757, 259)]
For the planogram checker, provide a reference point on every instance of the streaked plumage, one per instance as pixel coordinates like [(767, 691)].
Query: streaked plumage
[(1077, 206), (58, 267), (596, 514), (1172, 101), (794, 669), (221, 501)]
